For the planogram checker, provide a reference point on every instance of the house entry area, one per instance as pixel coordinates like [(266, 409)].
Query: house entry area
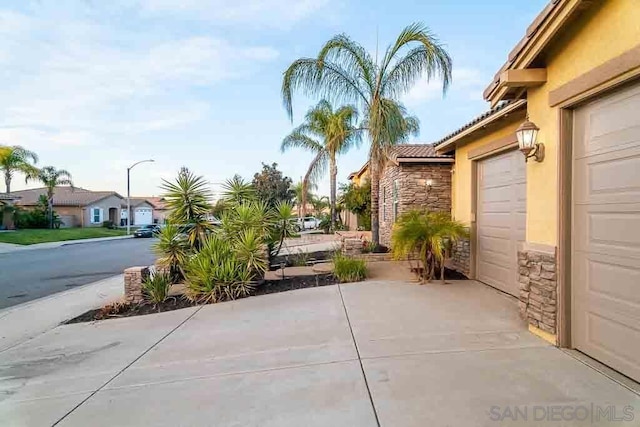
[(605, 230), (501, 219)]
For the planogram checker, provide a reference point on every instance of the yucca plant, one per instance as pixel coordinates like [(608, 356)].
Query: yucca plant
[(188, 201), (173, 250), (283, 226), (427, 234), (156, 288), (236, 191), (215, 273), (250, 249), (348, 269)]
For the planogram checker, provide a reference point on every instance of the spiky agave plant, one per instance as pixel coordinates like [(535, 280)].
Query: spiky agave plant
[(156, 288)]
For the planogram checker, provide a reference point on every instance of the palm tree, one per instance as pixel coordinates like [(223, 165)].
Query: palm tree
[(51, 177), (16, 159), (427, 234), (302, 193), (344, 71), (326, 133)]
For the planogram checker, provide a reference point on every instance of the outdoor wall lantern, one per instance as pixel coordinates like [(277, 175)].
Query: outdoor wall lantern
[(429, 184), (527, 135)]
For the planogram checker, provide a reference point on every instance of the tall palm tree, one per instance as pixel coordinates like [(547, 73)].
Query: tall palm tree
[(16, 159), (302, 194), (51, 177), (326, 133), (345, 72)]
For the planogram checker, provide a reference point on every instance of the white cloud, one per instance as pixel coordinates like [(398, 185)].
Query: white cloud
[(271, 13), (69, 90), (463, 79)]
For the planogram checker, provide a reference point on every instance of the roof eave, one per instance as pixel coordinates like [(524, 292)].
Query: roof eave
[(449, 144), (538, 36)]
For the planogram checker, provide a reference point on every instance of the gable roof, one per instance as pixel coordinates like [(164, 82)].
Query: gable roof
[(62, 196), (137, 201), (415, 151), (158, 202)]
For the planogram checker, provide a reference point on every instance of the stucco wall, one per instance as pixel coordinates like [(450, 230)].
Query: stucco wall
[(600, 34), (412, 192), (462, 179), (105, 204)]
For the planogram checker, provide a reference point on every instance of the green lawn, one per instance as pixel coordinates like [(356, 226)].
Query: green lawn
[(30, 237)]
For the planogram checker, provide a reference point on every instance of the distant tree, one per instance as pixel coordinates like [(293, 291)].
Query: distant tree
[(301, 197), (357, 199), (16, 159), (272, 186), (51, 177)]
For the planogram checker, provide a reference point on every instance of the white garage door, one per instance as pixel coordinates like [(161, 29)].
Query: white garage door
[(501, 219), (606, 231), (143, 216)]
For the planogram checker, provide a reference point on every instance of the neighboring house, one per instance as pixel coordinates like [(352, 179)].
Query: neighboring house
[(76, 206), (415, 177), (141, 211), (160, 209), (562, 234), (357, 178)]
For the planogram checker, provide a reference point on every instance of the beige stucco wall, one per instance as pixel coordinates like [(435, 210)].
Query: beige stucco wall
[(104, 204), (600, 34)]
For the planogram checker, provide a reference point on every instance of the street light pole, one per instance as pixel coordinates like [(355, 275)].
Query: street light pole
[(129, 192)]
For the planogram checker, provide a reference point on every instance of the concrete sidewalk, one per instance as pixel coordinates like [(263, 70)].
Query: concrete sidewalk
[(25, 321), (366, 354), (10, 247)]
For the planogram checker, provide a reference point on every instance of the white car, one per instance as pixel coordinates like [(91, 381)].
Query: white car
[(309, 223)]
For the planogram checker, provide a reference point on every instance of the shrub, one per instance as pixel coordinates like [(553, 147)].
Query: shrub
[(349, 269), (156, 287), (299, 259), (215, 273), (108, 224), (427, 234), (173, 250)]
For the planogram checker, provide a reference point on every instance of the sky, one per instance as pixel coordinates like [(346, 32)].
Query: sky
[(94, 86)]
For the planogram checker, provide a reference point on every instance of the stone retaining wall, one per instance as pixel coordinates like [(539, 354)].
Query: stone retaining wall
[(538, 287)]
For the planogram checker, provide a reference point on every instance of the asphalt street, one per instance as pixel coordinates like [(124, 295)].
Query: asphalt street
[(31, 274)]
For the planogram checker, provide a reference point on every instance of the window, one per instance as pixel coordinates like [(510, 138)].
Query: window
[(384, 203), (96, 215), (395, 200)]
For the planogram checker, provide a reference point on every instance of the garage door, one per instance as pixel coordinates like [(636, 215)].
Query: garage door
[(501, 219), (606, 231), (143, 216)]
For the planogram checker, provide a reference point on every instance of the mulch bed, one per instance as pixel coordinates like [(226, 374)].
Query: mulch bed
[(118, 310)]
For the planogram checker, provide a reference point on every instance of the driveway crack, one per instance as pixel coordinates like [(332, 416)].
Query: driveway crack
[(355, 343)]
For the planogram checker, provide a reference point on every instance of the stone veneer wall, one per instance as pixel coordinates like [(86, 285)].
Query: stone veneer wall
[(412, 192), (538, 288), (461, 256), (133, 279)]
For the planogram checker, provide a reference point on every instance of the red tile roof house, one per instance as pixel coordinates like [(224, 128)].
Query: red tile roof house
[(160, 209), (77, 207)]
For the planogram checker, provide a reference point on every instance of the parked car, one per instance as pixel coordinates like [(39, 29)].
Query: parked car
[(309, 223), (147, 230)]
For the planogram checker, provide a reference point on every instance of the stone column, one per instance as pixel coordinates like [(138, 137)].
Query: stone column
[(538, 286), (133, 279)]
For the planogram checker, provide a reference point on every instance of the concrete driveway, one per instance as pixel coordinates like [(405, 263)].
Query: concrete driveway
[(368, 354)]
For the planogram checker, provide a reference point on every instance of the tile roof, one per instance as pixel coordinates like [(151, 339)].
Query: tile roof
[(136, 201), (63, 196), (415, 151), (476, 120), (157, 202)]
